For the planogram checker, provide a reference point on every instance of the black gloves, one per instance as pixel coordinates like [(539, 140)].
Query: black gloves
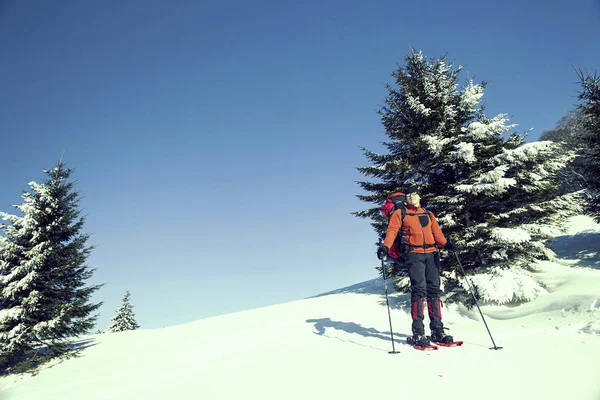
[(451, 246), (382, 252)]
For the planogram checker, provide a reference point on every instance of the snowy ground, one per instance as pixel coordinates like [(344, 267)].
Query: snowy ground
[(335, 346)]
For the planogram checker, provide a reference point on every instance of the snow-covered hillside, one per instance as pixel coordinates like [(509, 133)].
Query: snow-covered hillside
[(335, 346)]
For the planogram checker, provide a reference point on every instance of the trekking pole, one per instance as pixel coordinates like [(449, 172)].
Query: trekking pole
[(475, 298), (387, 302)]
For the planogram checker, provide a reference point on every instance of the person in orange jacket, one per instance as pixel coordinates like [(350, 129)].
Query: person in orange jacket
[(420, 236)]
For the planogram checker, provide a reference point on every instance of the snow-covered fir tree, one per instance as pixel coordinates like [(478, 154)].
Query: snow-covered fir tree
[(17, 292), (492, 193), (569, 133), (44, 299), (124, 319), (590, 107)]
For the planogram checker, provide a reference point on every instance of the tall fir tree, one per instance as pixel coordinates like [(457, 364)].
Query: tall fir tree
[(124, 319), (590, 107), (493, 194), (44, 299)]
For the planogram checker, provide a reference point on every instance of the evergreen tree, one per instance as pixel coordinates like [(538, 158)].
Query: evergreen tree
[(493, 194), (423, 112), (43, 272), (124, 319), (18, 294), (590, 96), (569, 133)]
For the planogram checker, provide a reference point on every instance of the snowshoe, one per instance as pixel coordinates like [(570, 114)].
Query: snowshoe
[(420, 342), (449, 344), (445, 340), (440, 337)]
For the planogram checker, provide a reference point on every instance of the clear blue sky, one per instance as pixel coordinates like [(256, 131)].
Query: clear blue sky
[(215, 143)]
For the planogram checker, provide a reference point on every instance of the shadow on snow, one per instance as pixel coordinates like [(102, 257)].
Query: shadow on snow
[(373, 286), (321, 324), (398, 301), (584, 247), (82, 344)]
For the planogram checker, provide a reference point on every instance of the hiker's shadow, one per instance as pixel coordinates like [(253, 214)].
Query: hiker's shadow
[(322, 324)]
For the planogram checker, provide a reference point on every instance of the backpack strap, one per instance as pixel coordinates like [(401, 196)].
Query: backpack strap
[(399, 236)]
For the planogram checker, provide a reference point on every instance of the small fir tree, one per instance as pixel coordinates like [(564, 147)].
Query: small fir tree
[(124, 319), (43, 273)]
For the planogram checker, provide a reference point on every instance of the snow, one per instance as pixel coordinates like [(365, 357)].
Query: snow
[(10, 313), (435, 143), (510, 235), (491, 182), (416, 105), (472, 94), (526, 151), (335, 346), (492, 127), (506, 285), (464, 152)]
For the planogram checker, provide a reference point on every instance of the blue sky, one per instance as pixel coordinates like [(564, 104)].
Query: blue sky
[(216, 143)]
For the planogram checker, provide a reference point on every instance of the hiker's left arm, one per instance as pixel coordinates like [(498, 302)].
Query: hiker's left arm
[(438, 236)]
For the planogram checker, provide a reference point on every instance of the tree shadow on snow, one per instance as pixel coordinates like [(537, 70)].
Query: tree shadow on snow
[(74, 348), (82, 344), (583, 246), (373, 286), (397, 300)]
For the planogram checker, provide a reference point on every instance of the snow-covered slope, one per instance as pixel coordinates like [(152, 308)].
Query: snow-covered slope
[(335, 346)]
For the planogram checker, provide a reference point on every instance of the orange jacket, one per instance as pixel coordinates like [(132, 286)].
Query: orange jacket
[(420, 228)]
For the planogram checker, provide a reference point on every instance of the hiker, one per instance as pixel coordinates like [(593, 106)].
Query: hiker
[(418, 236)]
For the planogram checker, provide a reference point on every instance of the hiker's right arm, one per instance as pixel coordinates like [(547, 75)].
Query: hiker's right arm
[(392, 230)]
